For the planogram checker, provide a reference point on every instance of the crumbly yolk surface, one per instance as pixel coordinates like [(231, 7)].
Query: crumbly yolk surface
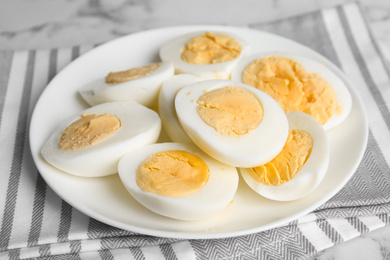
[(173, 173), (293, 87), (90, 129), (230, 111), (289, 161), (134, 73), (211, 48)]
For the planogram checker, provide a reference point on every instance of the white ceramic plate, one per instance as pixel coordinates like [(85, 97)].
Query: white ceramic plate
[(106, 199)]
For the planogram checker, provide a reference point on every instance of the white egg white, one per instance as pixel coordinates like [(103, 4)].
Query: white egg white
[(166, 106), (343, 95), (139, 126), (144, 90), (312, 172), (212, 199), (257, 147), (171, 51)]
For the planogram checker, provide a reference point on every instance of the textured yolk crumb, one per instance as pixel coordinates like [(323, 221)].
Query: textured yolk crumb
[(210, 48), (292, 87), (90, 129), (173, 173), (230, 111), (134, 73), (289, 161)]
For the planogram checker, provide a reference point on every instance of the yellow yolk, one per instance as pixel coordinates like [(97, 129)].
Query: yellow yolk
[(290, 160), (231, 111), (173, 173), (211, 48), (88, 130), (134, 73), (292, 87)]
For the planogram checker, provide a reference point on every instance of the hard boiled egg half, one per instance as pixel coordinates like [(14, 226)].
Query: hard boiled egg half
[(178, 180), (232, 122), (91, 143), (297, 83), (141, 84), (166, 106), (207, 55), (299, 168)]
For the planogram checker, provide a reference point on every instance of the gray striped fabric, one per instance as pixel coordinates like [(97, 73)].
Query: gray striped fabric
[(36, 223)]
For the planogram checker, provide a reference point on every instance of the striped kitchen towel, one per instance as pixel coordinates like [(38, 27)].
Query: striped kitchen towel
[(36, 223)]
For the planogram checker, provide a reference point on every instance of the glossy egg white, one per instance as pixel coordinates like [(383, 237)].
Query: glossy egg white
[(343, 95), (312, 172), (139, 126), (166, 106), (171, 51), (255, 148), (212, 199), (144, 90)]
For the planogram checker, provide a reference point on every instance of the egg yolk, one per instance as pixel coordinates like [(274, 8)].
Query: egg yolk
[(292, 87), (288, 162), (90, 129), (172, 173), (230, 111), (210, 48), (134, 73)]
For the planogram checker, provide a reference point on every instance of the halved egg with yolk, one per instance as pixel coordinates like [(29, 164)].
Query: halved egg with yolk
[(208, 55), (299, 168), (232, 122), (297, 83), (91, 143), (141, 84), (178, 181)]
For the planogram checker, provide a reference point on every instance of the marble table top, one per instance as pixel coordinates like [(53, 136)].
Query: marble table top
[(47, 24)]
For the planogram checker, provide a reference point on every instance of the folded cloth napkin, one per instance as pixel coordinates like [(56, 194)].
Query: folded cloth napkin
[(36, 223)]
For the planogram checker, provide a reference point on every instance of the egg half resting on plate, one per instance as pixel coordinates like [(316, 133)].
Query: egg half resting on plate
[(232, 122), (297, 83), (299, 168), (207, 55), (178, 181), (166, 106), (91, 143), (141, 84)]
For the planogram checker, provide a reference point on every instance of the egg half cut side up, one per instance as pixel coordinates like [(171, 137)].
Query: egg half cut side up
[(298, 83), (208, 55), (141, 84), (178, 181), (232, 122), (299, 168), (91, 143)]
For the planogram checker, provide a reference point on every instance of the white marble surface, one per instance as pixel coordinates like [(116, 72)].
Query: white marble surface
[(55, 23), (373, 246)]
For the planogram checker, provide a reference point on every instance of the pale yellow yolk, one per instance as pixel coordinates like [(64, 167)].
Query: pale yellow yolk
[(173, 173), (210, 48), (134, 73), (231, 111), (88, 130), (290, 160), (292, 87)]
